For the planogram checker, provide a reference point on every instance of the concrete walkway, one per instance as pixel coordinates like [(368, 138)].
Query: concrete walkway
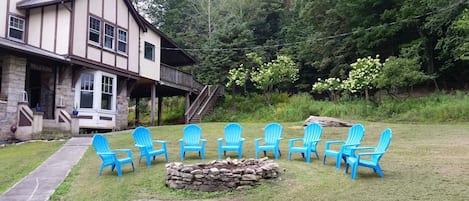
[(40, 184)]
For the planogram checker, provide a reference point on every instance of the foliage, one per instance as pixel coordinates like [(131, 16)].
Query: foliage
[(462, 25), (267, 75), (439, 107), (363, 74), (400, 73)]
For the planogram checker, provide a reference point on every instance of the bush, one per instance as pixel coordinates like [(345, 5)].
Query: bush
[(440, 107)]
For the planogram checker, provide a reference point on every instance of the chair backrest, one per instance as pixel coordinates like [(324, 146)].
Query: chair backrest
[(272, 133), (142, 136), (192, 135), (312, 133), (100, 144), (355, 135), (383, 144), (232, 133)]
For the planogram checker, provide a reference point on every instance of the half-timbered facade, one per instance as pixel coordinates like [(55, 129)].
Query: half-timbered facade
[(85, 55)]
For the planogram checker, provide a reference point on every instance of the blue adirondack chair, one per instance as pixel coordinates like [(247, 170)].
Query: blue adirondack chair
[(109, 156), (192, 141), (233, 140), (145, 144), (369, 159), (355, 136), (312, 135), (272, 137)]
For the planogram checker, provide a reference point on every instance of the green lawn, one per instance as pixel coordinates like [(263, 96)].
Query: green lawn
[(17, 161), (424, 162)]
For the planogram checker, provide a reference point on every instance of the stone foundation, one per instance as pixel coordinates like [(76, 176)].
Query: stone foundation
[(222, 175)]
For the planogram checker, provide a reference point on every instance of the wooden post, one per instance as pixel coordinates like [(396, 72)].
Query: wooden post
[(152, 113), (160, 105), (137, 122), (188, 101)]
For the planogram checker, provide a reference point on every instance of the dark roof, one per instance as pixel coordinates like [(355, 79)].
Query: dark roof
[(28, 49), (26, 4), (171, 53)]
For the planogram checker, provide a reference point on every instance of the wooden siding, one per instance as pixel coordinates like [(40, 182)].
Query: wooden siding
[(3, 19), (34, 27), (48, 28), (63, 30), (176, 77), (148, 68)]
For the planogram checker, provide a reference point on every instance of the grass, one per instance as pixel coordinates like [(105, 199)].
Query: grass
[(434, 108), (19, 160), (424, 162)]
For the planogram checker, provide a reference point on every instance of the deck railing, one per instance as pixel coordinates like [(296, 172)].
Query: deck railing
[(172, 75)]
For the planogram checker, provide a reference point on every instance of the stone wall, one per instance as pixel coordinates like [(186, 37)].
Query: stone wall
[(65, 90), (222, 175), (122, 106), (13, 82)]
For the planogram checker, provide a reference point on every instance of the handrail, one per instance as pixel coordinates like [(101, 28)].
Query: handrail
[(208, 101), (191, 111), (172, 75)]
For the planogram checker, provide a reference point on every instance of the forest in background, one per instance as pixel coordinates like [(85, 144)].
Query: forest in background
[(323, 37)]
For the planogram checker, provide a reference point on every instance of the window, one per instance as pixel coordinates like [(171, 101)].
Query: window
[(16, 28), (94, 30), (108, 36), (122, 41), (106, 92), (86, 90), (149, 51)]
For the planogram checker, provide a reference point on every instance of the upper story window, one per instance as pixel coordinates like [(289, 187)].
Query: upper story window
[(122, 41), (16, 28), (149, 51), (108, 36), (94, 31)]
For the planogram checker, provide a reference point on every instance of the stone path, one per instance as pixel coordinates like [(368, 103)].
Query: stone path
[(41, 183)]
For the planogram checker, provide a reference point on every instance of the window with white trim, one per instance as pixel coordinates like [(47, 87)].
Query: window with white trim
[(16, 28), (94, 30), (108, 36), (149, 51), (106, 92), (86, 90), (122, 41)]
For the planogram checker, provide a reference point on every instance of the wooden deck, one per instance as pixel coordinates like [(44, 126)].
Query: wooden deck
[(173, 77)]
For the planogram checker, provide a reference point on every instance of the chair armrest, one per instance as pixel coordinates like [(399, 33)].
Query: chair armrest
[(105, 153), (369, 154), (139, 145), (203, 142), (362, 148), (256, 141), (159, 141), (181, 142), (329, 143), (353, 149), (351, 145), (291, 142), (129, 152)]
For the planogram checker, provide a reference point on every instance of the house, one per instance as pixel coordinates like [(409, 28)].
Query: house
[(92, 56)]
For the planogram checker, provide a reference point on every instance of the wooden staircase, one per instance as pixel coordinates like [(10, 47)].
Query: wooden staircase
[(204, 103)]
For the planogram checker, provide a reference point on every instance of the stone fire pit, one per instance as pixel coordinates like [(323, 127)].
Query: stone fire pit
[(222, 175)]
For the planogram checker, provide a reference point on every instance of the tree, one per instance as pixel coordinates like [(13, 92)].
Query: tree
[(363, 75), (400, 73), (268, 75)]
